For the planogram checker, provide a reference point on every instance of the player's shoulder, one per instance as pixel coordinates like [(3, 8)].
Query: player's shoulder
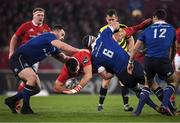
[(82, 53), (26, 24), (85, 51), (103, 28)]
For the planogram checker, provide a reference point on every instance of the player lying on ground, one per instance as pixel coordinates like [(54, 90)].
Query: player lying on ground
[(78, 64)]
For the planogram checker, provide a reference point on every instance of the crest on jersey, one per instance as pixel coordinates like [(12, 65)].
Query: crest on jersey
[(85, 60)]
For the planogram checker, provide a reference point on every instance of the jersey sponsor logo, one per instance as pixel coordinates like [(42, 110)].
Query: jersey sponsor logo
[(26, 65), (45, 30), (31, 30), (15, 69), (85, 60)]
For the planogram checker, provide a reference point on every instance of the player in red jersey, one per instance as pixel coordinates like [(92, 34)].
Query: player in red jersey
[(78, 64), (26, 31)]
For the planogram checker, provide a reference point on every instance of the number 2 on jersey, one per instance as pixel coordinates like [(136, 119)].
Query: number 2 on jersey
[(161, 33), (108, 53)]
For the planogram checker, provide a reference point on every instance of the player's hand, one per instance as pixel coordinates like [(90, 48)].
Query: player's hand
[(10, 54), (130, 68), (74, 90)]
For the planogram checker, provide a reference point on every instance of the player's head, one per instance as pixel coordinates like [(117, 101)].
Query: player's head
[(38, 15), (72, 65), (87, 41), (111, 16), (159, 14), (59, 32)]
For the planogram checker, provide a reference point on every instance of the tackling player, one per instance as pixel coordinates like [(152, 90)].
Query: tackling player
[(127, 44), (108, 59), (26, 31), (78, 64), (35, 50)]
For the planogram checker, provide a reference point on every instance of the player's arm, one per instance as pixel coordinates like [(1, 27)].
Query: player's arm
[(13, 43), (68, 49), (108, 32), (61, 80), (61, 57), (83, 82), (14, 39), (132, 56), (104, 74), (133, 29), (59, 86), (130, 43)]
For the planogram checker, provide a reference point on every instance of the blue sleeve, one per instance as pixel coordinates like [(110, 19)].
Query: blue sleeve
[(107, 32), (95, 65), (50, 37), (141, 37), (56, 51)]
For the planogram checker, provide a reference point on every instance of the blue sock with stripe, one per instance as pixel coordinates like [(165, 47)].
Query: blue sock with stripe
[(27, 94), (142, 100), (169, 90)]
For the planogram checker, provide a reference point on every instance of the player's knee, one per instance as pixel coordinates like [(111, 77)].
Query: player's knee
[(171, 79), (31, 79), (150, 82), (105, 83)]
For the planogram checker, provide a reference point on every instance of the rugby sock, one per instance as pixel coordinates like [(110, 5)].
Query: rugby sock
[(133, 29), (21, 87), (169, 90), (35, 91), (172, 98), (151, 103), (103, 92), (159, 93), (26, 94), (142, 100), (125, 92)]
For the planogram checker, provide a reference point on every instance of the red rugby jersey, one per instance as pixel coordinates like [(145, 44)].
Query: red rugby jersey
[(29, 30), (84, 58)]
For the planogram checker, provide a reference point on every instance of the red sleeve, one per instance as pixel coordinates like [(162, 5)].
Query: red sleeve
[(63, 76), (21, 30), (85, 59), (178, 35)]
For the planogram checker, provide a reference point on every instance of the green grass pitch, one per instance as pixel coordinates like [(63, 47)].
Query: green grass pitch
[(83, 108)]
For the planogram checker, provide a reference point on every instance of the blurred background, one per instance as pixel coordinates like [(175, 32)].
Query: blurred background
[(78, 17)]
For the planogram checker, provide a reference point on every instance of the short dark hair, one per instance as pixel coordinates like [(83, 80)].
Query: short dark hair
[(57, 27), (160, 14), (71, 65), (111, 12), (87, 41), (38, 9)]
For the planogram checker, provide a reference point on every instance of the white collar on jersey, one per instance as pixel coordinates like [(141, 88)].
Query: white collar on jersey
[(35, 23), (160, 22)]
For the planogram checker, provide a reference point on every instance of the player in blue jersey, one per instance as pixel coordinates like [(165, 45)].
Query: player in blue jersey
[(127, 43), (34, 51), (158, 39), (109, 58)]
